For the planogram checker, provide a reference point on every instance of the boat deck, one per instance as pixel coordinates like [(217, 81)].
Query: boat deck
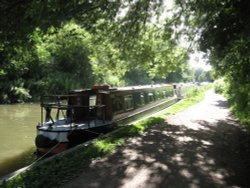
[(63, 126)]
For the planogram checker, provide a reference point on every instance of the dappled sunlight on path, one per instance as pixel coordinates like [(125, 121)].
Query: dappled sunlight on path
[(199, 147)]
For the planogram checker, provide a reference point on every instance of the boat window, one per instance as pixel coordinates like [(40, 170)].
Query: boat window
[(142, 100), (117, 104), (150, 97), (92, 100), (128, 101)]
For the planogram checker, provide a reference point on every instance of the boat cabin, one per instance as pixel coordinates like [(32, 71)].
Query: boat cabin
[(78, 106)]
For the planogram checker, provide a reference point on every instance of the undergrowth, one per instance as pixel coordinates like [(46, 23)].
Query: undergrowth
[(238, 97)]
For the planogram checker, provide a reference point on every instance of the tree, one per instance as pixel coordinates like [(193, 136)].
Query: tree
[(20, 18), (46, 53), (223, 33)]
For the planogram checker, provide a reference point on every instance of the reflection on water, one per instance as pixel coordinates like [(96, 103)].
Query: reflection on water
[(18, 130)]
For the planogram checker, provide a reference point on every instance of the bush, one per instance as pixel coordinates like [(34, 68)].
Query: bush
[(239, 100), (220, 86)]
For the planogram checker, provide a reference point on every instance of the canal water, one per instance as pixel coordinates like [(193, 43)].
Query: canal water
[(17, 134)]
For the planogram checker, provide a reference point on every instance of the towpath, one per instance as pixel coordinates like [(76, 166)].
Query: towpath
[(199, 147)]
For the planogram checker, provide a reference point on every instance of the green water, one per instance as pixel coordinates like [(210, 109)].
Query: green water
[(17, 133)]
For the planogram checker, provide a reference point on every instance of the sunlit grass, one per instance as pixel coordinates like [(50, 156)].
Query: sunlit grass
[(195, 95), (138, 128), (108, 145)]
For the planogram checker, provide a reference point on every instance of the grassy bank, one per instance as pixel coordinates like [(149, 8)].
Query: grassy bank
[(62, 168), (194, 96)]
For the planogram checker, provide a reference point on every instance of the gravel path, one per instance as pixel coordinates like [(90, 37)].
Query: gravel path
[(199, 147)]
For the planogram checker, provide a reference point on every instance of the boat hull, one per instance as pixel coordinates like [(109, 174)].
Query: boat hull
[(48, 140), (49, 151)]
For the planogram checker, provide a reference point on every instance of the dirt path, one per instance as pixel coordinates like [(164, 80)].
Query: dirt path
[(201, 147)]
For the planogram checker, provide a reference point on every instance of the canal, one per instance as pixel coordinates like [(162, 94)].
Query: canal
[(18, 130)]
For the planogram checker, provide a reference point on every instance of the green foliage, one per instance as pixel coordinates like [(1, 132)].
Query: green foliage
[(70, 57), (137, 77), (21, 94), (201, 75), (65, 55), (237, 61), (168, 60), (239, 99), (108, 145), (224, 35), (21, 19), (63, 47), (220, 86), (112, 79)]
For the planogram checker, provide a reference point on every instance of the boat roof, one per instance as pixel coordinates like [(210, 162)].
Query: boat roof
[(143, 87), (111, 90)]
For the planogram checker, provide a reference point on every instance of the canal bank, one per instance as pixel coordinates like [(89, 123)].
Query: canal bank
[(64, 167)]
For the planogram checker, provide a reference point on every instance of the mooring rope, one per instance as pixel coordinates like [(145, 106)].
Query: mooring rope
[(93, 132)]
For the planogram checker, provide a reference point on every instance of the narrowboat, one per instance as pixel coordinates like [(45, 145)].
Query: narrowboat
[(68, 120)]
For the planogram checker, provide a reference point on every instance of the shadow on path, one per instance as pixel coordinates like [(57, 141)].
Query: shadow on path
[(214, 155), (174, 156), (222, 104)]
